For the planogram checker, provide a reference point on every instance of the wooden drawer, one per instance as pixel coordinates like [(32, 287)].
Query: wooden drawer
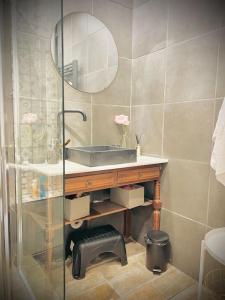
[(138, 175), (90, 182)]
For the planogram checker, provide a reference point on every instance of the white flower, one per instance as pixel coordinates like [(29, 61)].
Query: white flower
[(29, 118), (122, 120)]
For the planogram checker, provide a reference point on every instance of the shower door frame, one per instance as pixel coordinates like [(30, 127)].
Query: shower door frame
[(6, 274), (4, 207)]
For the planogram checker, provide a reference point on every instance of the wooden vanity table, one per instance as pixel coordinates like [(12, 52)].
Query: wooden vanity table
[(80, 178), (97, 178)]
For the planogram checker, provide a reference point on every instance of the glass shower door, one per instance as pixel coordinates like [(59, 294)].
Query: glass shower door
[(34, 153)]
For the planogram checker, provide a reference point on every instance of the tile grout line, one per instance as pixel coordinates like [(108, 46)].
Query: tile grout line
[(152, 280), (181, 292), (178, 159), (125, 58), (91, 119), (213, 126), (118, 3), (131, 97), (111, 105), (208, 200), (195, 37), (217, 63), (180, 102), (165, 80), (210, 174), (150, 53), (182, 42), (187, 218)]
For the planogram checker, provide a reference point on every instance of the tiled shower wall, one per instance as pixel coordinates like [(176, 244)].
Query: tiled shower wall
[(39, 85), (178, 82)]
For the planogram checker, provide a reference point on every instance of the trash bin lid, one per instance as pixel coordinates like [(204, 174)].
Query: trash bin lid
[(158, 236)]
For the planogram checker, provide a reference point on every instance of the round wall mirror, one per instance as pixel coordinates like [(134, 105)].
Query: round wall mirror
[(90, 52)]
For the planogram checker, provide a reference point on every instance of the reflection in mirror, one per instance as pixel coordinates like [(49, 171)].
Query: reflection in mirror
[(90, 52)]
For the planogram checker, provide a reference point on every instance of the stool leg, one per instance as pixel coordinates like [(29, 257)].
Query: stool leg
[(201, 270), (120, 251)]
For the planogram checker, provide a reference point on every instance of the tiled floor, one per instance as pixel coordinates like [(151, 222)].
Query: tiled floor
[(110, 281)]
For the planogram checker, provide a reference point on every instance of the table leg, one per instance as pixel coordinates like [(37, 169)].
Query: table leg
[(156, 206), (201, 270), (127, 223), (49, 233)]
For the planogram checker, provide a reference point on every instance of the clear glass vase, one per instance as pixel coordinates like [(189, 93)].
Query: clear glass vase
[(123, 140)]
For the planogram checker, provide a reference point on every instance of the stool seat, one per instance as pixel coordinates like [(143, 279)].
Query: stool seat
[(90, 243), (215, 244)]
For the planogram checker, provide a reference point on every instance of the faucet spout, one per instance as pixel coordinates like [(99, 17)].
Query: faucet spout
[(72, 111), (69, 111)]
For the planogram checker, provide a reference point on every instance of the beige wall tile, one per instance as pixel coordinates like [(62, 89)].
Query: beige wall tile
[(216, 213), (105, 130), (188, 130), (220, 91), (70, 6), (118, 19), (185, 188), (148, 79), (70, 94), (185, 236), (25, 135), (147, 123), (218, 104), (188, 19), (191, 69), (138, 2), (118, 93), (149, 27), (126, 3), (39, 17), (78, 131), (216, 209)]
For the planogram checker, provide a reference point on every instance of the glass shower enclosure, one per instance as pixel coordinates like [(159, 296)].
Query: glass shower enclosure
[(31, 151)]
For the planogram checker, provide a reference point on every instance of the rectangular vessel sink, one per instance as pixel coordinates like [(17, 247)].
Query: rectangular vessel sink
[(93, 156)]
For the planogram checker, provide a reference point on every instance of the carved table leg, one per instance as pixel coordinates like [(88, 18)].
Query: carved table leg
[(49, 233), (156, 206)]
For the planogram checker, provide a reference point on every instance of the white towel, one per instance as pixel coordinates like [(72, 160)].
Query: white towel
[(218, 153)]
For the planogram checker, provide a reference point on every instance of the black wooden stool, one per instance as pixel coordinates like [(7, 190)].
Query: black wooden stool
[(90, 243)]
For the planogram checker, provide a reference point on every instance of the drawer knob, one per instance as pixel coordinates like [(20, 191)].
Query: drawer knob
[(89, 183)]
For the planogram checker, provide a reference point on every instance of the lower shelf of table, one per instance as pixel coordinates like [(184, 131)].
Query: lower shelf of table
[(103, 209)]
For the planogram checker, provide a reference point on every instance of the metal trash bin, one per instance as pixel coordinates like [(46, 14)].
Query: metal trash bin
[(157, 251)]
